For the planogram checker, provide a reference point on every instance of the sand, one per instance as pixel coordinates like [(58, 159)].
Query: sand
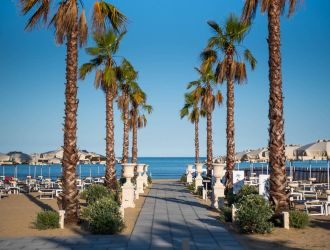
[(18, 212)]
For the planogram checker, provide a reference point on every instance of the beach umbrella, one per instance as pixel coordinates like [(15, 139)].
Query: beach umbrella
[(316, 150)]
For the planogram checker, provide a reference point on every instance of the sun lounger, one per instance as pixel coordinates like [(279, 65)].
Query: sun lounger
[(46, 194), (316, 204)]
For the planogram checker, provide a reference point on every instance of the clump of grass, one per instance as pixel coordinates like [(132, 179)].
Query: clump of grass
[(47, 220)]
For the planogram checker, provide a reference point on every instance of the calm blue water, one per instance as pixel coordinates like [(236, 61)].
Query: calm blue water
[(159, 167)]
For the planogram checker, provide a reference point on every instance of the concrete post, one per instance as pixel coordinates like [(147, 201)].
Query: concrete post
[(61, 220), (286, 220)]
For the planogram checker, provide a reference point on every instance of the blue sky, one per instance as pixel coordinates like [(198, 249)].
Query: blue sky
[(163, 42)]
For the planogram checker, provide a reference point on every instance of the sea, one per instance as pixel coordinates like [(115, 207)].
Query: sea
[(159, 168)]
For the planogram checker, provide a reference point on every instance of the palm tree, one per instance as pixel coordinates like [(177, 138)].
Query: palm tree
[(137, 119), (127, 84), (192, 110), (106, 73), (206, 85), (71, 27), (276, 144), (226, 42)]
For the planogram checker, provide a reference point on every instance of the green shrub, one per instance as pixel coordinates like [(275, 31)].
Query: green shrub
[(298, 219), (199, 191), (149, 179), (96, 192), (245, 191), (191, 186), (231, 197), (103, 217), (47, 219), (225, 214), (253, 214), (183, 178)]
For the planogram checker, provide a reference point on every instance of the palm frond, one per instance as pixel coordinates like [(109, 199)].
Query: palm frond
[(39, 16), (215, 27), (83, 29), (249, 10), (85, 69), (250, 58)]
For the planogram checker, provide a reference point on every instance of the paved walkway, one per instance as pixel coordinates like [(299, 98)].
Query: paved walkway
[(170, 215)]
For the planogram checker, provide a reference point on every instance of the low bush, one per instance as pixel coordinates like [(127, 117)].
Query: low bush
[(103, 217), (253, 214), (225, 214), (96, 192), (191, 186), (298, 219), (47, 220), (199, 191), (245, 191), (183, 178), (149, 179)]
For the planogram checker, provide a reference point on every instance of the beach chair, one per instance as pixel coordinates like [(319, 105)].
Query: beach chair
[(46, 194), (314, 205)]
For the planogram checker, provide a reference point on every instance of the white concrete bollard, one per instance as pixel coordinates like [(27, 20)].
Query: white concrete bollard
[(61, 220), (286, 220)]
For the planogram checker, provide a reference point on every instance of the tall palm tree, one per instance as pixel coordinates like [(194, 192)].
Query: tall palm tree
[(206, 85), (70, 26), (230, 68), (138, 119), (276, 144), (193, 111), (127, 84), (106, 72)]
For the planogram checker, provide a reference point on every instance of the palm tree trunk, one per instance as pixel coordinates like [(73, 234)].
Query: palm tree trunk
[(110, 172), (134, 143), (278, 194), (209, 156), (70, 152), (230, 160), (126, 130), (196, 142)]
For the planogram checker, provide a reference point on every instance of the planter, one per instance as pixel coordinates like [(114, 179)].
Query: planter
[(145, 175), (189, 173), (139, 179), (128, 187), (199, 178), (218, 190)]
